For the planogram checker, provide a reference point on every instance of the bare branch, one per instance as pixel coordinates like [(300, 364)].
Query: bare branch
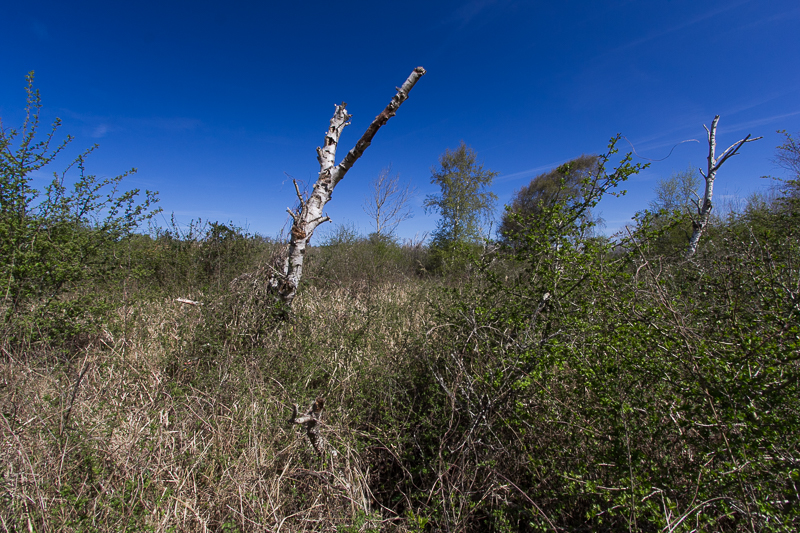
[(297, 190), (731, 151), (311, 419), (366, 139), (788, 154)]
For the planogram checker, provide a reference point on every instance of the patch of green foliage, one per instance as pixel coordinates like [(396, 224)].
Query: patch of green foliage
[(53, 239), (586, 384)]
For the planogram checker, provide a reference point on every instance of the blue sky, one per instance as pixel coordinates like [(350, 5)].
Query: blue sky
[(216, 102)]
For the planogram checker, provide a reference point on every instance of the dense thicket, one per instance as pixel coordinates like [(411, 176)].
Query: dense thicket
[(558, 381), (606, 387)]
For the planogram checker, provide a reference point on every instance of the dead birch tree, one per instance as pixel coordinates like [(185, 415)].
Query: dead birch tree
[(309, 214), (704, 206)]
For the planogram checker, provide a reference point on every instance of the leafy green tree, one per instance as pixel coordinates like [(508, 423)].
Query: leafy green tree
[(679, 192), (504, 360), (465, 204), (53, 239), (546, 190), (669, 217), (673, 387), (788, 156), (775, 214)]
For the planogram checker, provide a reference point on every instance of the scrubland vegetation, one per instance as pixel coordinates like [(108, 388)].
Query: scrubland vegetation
[(553, 380)]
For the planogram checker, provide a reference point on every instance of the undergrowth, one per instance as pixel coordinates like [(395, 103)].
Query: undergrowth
[(553, 381)]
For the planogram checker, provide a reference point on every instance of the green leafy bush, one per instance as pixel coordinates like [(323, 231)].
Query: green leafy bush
[(52, 240), (577, 384)]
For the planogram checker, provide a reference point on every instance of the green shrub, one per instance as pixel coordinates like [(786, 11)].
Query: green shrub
[(578, 386), (53, 240), (345, 258)]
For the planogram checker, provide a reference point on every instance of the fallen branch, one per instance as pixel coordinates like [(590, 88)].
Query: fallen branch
[(187, 302), (311, 420)]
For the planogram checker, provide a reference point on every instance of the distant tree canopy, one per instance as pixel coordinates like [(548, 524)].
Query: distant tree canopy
[(465, 204), (788, 155), (679, 192), (547, 190), (671, 211)]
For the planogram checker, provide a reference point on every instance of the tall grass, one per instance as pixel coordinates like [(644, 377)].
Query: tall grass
[(643, 393), (173, 419)]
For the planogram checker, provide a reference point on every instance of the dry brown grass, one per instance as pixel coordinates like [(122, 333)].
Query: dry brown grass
[(123, 436)]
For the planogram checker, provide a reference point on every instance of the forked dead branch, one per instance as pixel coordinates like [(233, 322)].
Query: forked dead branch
[(310, 420), (309, 213)]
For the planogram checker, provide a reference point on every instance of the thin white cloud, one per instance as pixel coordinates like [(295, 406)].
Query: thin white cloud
[(165, 123), (531, 171), (459, 19), (642, 143), (641, 148), (664, 138), (750, 124), (784, 17), (99, 131), (750, 104), (100, 126), (678, 27)]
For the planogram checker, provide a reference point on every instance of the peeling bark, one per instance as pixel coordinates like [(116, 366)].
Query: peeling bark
[(309, 215), (704, 204)]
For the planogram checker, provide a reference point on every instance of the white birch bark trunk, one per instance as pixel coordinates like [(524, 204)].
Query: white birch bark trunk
[(309, 215), (704, 205)]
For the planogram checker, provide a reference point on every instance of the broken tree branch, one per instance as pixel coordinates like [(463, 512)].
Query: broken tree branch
[(309, 214), (311, 419)]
